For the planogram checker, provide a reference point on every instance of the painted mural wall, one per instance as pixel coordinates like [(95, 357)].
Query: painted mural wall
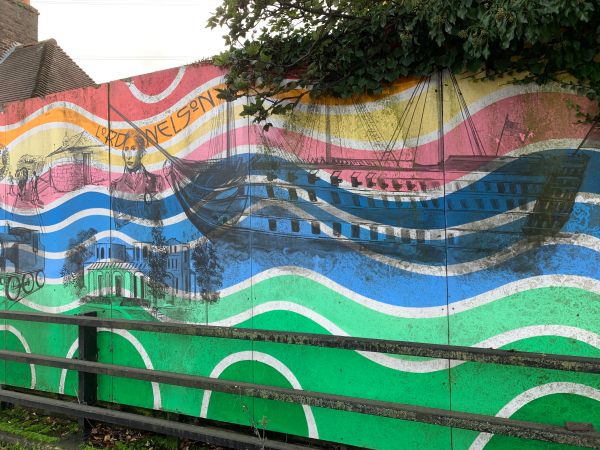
[(469, 218)]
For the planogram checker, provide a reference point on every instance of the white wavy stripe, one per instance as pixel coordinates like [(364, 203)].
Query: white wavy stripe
[(348, 110), (378, 358), (269, 361), (84, 213), (63, 373), (518, 248), (146, 98), (444, 189), (14, 331), (421, 366), (79, 215), (515, 249), (157, 400), (97, 237), (449, 123), (487, 262), (58, 309), (588, 198), (525, 284), (45, 109), (503, 218), (115, 235), (116, 124), (515, 287), (428, 194), (498, 341), (189, 130), (428, 234), (433, 234), (190, 145), (347, 143), (537, 282), (500, 94), (54, 203), (29, 134), (438, 193), (181, 102), (559, 387), (107, 234), (193, 141), (464, 180)]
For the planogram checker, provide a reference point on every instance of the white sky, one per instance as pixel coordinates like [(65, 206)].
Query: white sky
[(113, 39)]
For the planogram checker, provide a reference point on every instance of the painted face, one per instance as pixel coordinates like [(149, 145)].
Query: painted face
[(132, 154)]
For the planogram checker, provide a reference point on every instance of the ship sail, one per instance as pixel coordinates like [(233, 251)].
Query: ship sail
[(592, 139)]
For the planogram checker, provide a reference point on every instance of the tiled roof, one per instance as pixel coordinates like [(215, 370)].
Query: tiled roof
[(38, 69), (118, 265), (75, 144)]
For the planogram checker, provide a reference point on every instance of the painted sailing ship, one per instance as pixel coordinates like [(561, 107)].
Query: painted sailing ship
[(217, 195), (540, 187)]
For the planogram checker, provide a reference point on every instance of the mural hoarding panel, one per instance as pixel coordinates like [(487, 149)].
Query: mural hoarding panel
[(520, 237), (174, 201), (3, 148), (337, 212), (56, 206), (443, 211)]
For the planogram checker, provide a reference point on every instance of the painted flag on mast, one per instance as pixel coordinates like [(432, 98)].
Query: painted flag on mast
[(592, 139), (516, 129)]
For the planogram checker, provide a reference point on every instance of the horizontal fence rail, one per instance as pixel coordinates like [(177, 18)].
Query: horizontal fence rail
[(451, 352), (584, 437), (210, 435), (435, 416)]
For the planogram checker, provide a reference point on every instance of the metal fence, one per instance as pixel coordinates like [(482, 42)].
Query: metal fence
[(88, 368)]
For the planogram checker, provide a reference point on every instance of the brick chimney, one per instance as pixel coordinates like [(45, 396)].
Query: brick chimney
[(18, 24)]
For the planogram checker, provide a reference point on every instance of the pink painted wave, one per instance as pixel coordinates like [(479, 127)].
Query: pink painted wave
[(154, 83), (92, 99)]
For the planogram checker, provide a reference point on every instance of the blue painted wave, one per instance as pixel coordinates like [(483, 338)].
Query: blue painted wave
[(393, 285), (584, 219), (467, 204)]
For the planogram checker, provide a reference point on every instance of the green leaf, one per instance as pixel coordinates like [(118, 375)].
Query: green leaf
[(340, 47)]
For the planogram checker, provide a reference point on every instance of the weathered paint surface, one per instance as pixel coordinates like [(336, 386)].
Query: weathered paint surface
[(348, 218)]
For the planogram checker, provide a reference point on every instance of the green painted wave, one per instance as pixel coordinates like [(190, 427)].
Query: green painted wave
[(468, 387)]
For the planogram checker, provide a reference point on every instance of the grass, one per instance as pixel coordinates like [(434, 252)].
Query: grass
[(38, 430), (33, 426)]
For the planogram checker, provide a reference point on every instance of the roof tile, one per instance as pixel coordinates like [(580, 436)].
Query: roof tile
[(39, 69)]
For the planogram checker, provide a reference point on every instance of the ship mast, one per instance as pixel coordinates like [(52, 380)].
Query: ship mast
[(327, 134), (440, 104), (228, 119)]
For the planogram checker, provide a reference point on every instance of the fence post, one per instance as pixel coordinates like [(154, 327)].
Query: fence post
[(4, 405), (87, 392)]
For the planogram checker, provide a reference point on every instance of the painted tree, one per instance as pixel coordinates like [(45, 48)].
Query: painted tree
[(282, 50), (80, 249), (157, 260), (158, 255), (209, 271)]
